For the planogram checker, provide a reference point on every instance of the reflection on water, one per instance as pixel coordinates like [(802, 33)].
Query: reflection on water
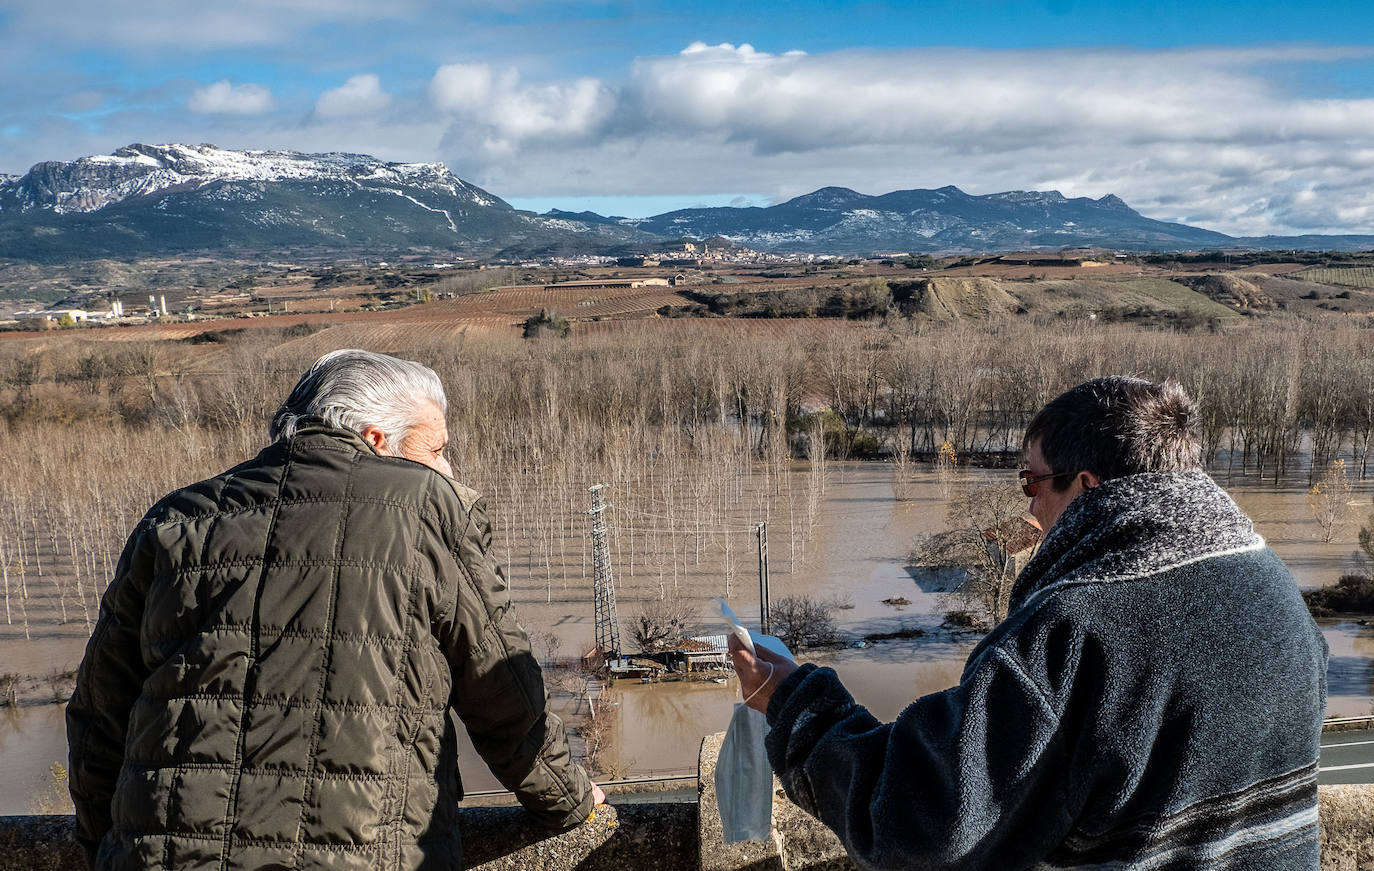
[(1284, 518), (31, 740), (887, 677), (1350, 673), (661, 726)]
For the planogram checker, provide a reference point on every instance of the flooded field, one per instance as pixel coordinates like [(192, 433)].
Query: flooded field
[(856, 554)]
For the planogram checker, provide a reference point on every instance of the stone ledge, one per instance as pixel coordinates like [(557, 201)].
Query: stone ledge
[(661, 836)]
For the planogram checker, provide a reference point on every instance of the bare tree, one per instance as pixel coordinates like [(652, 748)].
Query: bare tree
[(546, 642), (903, 473), (1329, 500), (52, 795), (985, 532), (803, 621), (662, 624), (946, 466), (598, 733)]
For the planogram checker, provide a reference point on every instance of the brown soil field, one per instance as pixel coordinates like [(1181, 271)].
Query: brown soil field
[(500, 310), (1009, 271), (775, 328), (1275, 268), (521, 302)]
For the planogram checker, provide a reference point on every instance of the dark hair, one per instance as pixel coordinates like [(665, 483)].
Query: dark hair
[(1117, 426)]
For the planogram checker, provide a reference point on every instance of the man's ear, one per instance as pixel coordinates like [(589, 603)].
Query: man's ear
[(1088, 480), (374, 436)]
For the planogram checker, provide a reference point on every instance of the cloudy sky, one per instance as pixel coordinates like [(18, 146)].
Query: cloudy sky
[(1247, 118)]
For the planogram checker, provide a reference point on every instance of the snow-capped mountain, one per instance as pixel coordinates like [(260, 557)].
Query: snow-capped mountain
[(160, 200), (145, 199), (88, 184), (844, 221)]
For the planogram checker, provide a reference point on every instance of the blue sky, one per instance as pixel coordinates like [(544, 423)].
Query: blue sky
[(1247, 118)]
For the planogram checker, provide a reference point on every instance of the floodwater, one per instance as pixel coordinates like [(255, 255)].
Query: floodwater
[(858, 555)]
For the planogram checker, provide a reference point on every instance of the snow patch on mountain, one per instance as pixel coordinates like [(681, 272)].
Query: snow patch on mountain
[(88, 184)]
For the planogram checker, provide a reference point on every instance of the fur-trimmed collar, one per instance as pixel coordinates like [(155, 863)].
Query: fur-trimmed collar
[(1136, 526)]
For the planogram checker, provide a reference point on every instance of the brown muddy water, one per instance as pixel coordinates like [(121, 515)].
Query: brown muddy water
[(857, 555)]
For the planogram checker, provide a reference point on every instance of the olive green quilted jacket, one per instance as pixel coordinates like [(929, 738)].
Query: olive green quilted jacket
[(270, 680)]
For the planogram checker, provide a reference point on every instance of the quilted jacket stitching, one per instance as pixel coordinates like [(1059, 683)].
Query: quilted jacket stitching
[(326, 661), (398, 826), (303, 704), (267, 771), (308, 846), (250, 680), (250, 562), (358, 638), (172, 516)]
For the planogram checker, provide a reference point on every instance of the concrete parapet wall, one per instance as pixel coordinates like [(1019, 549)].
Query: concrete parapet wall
[(669, 837), (658, 836)]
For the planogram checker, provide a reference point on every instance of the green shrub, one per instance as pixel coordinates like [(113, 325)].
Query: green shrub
[(547, 323), (1351, 594)]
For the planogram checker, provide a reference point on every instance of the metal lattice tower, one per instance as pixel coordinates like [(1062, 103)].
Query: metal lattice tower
[(603, 585)]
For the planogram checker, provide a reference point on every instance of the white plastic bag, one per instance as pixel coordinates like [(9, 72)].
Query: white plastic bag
[(744, 779)]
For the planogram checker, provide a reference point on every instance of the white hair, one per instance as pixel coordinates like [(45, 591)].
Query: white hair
[(352, 389)]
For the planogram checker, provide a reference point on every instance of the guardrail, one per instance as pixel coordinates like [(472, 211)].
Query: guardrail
[(1347, 724)]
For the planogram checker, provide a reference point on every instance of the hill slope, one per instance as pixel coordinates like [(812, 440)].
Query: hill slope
[(845, 221), (155, 199)]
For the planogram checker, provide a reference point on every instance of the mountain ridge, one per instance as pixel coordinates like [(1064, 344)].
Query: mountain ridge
[(946, 219), (167, 199)]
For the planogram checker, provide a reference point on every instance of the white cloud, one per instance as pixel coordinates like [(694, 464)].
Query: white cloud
[(986, 99), (461, 87), (1203, 136), (499, 114), (224, 97), (360, 95), (1220, 137)]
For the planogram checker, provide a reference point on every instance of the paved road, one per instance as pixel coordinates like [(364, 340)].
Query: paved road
[(1347, 757)]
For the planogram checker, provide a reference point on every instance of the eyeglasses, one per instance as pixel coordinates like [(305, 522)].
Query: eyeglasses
[(1030, 483)]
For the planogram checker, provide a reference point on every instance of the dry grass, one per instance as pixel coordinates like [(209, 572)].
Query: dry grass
[(693, 424), (1347, 827)]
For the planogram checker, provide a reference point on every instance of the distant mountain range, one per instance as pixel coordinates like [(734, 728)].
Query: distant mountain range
[(947, 219), (164, 199), (148, 200)]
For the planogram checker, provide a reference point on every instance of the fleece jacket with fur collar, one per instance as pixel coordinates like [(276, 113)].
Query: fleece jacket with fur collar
[(1153, 701)]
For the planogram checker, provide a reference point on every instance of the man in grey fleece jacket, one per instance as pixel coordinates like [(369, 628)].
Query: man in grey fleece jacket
[(1153, 699)]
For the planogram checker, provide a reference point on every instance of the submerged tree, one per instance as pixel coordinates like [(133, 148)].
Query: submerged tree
[(1329, 500), (803, 621), (663, 624), (988, 537)]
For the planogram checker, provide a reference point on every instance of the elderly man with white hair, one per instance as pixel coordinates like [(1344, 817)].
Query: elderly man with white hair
[(270, 681)]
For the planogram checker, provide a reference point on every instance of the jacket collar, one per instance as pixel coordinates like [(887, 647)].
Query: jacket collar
[(314, 431), (1135, 526)]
